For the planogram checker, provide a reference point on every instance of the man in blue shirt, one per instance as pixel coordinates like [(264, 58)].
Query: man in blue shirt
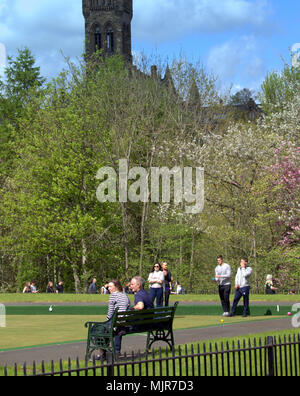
[(142, 299)]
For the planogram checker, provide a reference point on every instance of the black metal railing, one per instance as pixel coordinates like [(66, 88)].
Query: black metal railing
[(275, 356)]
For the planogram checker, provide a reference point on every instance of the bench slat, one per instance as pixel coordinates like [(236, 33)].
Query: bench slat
[(141, 317), (142, 322)]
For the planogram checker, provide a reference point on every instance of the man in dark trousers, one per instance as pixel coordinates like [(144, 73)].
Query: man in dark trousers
[(167, 282), (222, 276)]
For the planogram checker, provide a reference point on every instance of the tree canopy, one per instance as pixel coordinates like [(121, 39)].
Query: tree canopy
[(59, 135)]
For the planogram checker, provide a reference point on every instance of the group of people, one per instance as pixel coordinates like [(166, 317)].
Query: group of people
[(30, 287), (119, 299), (241, 285), (160, 285)]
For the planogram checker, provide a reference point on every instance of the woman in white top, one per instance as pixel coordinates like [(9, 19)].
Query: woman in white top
[(156, 280)]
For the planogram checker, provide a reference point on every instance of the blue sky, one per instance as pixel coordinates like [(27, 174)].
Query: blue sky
[(240, 41)]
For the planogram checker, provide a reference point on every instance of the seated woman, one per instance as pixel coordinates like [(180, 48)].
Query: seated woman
[(270, 289), (120, 300), (27, 288)]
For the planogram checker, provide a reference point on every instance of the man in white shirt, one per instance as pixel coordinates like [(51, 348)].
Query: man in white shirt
[(242, 287), (222, 276)]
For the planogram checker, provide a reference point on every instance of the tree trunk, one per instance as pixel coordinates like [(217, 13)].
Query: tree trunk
[(255, 255), (84, 265), (192, 262), (125, 238), (143, 222), (48, 268), (76, 279)]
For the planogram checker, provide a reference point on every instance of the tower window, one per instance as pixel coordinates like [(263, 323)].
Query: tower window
[(97, 36), (110, 39)]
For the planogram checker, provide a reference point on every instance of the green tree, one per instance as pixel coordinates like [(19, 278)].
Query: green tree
[(21, 79), (242, 97), (279, 88)]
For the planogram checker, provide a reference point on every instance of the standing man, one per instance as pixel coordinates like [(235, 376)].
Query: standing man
[(167, 282), (142, 299), (223, 274), (242, 287), (93, 287)]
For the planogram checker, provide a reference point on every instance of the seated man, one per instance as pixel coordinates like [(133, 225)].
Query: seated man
[(142, 299)]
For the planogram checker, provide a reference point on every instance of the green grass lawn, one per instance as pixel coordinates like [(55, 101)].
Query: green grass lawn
[(27, 331), (207, 366), (86, 298)]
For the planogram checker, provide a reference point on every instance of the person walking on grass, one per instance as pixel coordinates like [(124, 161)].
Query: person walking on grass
[(242, 287), (222, 276)]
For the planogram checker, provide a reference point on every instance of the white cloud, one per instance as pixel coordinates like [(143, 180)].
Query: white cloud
[(237, 59), (46, 27), (169, 19)]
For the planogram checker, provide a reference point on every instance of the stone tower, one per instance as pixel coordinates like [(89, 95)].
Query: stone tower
[(108, 26)]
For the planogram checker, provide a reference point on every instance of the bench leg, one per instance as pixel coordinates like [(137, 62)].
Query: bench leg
[(160, 335), (88, 353)]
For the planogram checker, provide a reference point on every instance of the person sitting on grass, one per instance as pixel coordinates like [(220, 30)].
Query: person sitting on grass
[(27, 288), (270, 289)]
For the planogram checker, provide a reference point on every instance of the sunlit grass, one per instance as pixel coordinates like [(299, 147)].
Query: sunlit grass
[(27, 331), (231, 364), (88, 298)]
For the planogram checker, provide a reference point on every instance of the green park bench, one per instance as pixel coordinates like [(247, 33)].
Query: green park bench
[(157, 322)]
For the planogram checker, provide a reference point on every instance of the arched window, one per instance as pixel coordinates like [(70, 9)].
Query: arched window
[(97, 37), (110, 39)]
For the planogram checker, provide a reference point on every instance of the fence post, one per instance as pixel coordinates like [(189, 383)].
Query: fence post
[(110, 364), (270, 351)]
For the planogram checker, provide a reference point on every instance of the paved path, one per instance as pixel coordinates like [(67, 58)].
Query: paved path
[(138, 342)]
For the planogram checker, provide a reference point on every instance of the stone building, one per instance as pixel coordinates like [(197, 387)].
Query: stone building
[(108, 26)]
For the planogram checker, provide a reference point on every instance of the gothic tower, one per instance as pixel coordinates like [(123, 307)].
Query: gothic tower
[(108, 26)]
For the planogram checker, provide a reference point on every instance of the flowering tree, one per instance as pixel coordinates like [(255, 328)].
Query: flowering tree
[(286, 174)]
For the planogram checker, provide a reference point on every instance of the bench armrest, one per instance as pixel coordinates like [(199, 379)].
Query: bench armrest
[(87, 324)]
